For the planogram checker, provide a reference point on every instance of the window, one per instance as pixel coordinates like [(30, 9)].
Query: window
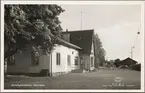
[(35, 57), (11, 60), (78, 37), (68, 59), (92, 61), (57, 58), (76, 61)]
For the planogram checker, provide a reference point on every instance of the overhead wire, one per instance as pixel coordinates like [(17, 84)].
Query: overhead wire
[(138, 32)]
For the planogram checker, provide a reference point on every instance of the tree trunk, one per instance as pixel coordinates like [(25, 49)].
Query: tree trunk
[(9, 53)]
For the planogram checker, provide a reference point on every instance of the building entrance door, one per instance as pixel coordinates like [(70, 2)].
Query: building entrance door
[(82, 64)]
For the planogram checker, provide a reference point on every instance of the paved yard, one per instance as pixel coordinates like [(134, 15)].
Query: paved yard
[(101, 79)]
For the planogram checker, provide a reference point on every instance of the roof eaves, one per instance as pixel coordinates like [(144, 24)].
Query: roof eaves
[(69, 44), (77, 31)]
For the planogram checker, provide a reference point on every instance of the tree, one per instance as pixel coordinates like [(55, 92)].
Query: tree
[(99, 51), (35, 25), (117, 62)]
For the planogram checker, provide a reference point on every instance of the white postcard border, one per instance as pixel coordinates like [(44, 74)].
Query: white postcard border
[(73, 3)]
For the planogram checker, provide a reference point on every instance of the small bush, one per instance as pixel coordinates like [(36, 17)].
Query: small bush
[(124, 67), (44, 72)]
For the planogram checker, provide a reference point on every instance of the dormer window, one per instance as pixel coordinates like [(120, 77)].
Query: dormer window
[(78, 37)]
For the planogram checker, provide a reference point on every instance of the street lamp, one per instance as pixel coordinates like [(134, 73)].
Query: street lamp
[(132, 47)]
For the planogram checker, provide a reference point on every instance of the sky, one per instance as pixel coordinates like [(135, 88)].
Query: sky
[(116, 25)]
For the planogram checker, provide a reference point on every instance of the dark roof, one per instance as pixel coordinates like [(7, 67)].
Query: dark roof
[(82, 38), (128, 61), (63, 42)]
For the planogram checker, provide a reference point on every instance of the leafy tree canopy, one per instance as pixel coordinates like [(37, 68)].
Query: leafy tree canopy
[(37, 25), (117, 62), (99, 51)]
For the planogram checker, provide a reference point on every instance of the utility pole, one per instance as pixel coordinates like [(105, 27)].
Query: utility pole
[(132, 54), (81, 20), (132, 47)]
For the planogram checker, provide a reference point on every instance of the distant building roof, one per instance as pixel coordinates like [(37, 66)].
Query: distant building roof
[(128, 61), (81, 38)]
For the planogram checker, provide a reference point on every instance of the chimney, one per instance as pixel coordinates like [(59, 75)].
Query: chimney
[(66, 36), (66, 30)]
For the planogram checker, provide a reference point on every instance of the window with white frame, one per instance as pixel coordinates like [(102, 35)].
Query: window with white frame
[(68, 59), (35, 57), (76, 61), (11, 60), (92, 61), (57, 58)]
